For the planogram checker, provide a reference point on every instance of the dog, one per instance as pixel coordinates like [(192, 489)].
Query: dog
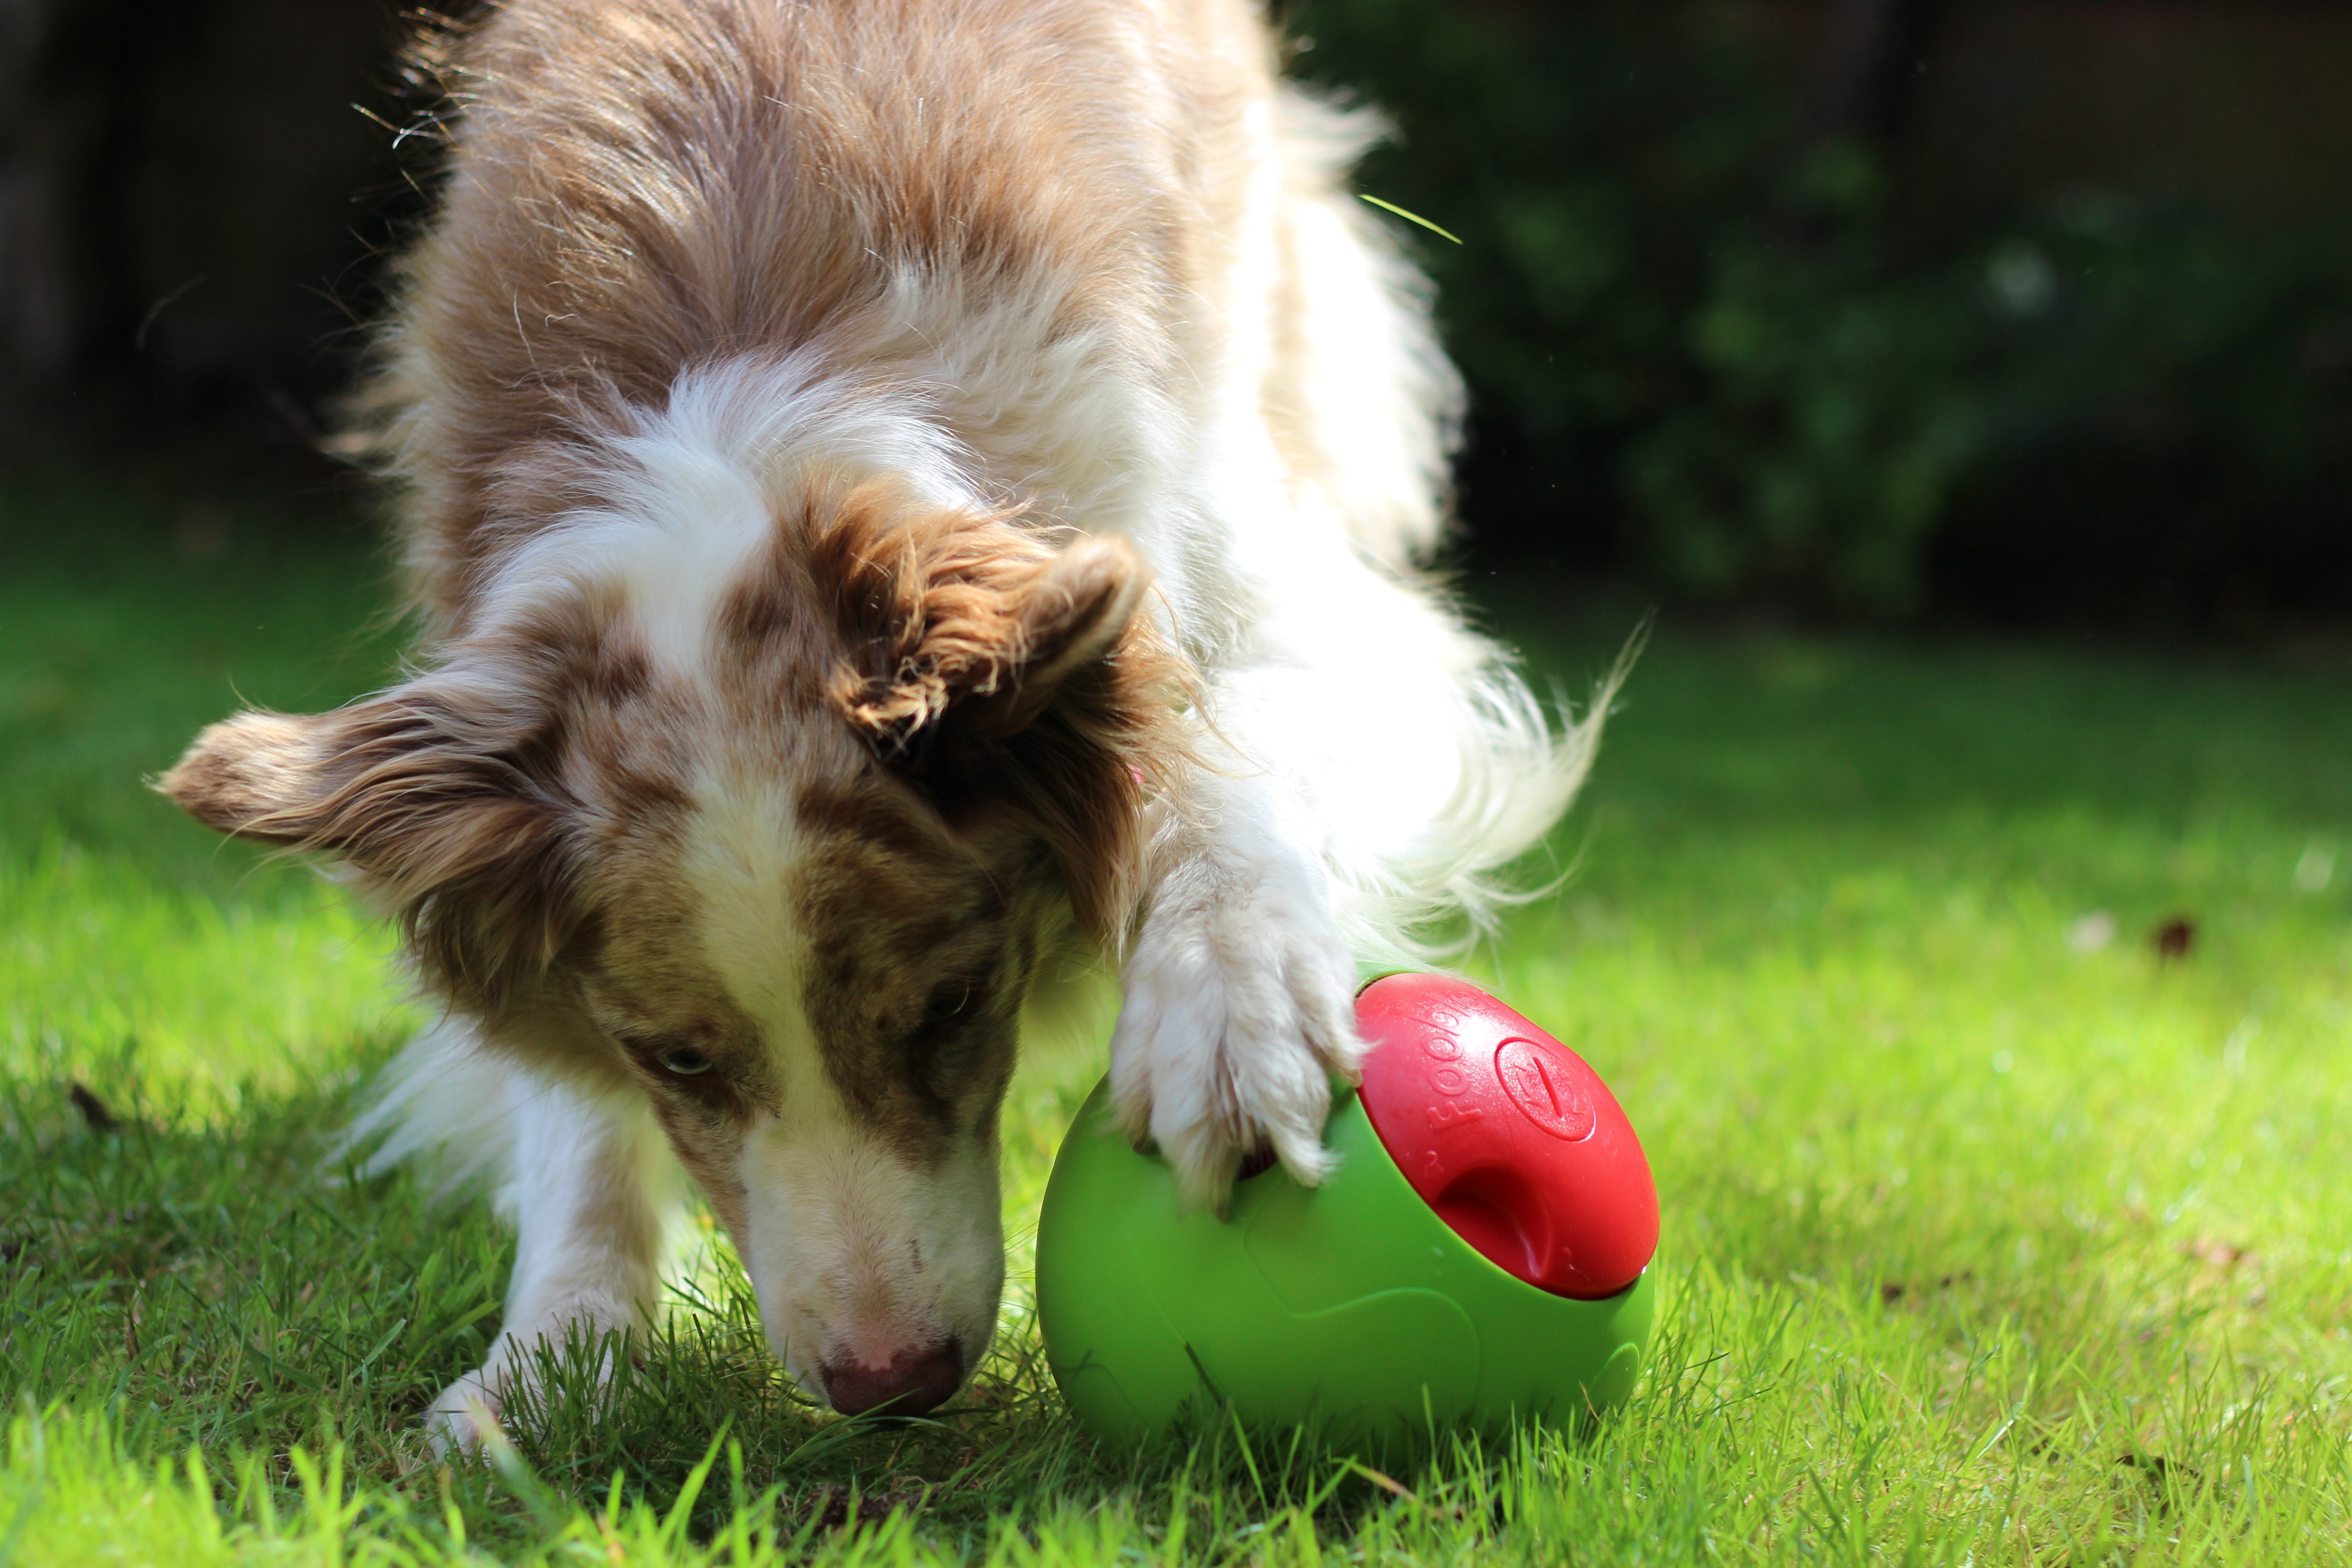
[(888, 486)]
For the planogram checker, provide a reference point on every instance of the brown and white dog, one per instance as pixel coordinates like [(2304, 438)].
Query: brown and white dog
[(886, 482)]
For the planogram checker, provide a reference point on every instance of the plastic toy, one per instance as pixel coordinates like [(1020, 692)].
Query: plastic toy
[(1477, 1257)]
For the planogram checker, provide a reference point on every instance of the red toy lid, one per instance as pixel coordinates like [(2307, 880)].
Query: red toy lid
[(1507, 1134)]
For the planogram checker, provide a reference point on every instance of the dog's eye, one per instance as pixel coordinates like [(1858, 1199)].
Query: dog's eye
[(683, 1060), (946, 1003)]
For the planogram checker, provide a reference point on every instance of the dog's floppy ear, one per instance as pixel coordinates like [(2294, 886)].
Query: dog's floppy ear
[(968, 625), (991, 668), (415, 790), (1071, 613)]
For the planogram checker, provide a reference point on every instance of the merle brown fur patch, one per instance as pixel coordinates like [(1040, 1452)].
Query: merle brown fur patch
[(645, 185)]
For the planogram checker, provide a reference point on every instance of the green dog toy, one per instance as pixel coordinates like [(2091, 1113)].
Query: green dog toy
[(1477, 1258)]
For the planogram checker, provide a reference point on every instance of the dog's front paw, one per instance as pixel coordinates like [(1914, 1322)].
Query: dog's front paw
[(1239, 1010), (464, 1415), (569, 1353)]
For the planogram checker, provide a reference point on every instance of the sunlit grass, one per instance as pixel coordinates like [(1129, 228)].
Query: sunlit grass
[(1985, 1240)]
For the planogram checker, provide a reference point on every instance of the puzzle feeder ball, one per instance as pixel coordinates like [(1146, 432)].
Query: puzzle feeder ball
[(1476, 1258)]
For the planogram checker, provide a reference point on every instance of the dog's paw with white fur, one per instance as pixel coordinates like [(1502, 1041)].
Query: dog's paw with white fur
[(1239, 1011), (471, 1413), (464, 1415)]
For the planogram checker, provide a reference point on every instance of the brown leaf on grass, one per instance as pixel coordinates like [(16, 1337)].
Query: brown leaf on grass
[(93, 1109), (2215, 1253), (1893, 1290), (2174, 938)]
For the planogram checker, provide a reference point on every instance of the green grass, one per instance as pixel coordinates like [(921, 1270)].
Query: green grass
[(1978, 1248)]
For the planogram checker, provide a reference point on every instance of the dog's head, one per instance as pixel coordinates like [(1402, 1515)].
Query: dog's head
[(779, 835)]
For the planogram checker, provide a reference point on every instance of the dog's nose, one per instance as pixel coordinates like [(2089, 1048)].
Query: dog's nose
[(914, 1381)]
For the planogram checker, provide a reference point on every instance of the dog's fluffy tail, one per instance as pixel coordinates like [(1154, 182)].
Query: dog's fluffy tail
[(1520, 769), (446, 1104)]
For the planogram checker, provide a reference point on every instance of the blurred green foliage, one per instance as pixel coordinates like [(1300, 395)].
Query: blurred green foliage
[(1743, 361)]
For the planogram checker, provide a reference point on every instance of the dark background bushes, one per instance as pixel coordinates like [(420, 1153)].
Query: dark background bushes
[(1730, 337), (1992, 311)]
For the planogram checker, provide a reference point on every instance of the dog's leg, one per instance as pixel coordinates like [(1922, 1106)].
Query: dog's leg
[(590, 1186), (1371, 762), (1237, 1008), (1368, 762)]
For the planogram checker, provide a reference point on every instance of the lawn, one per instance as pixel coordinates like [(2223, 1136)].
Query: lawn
[(1990, 1234)]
